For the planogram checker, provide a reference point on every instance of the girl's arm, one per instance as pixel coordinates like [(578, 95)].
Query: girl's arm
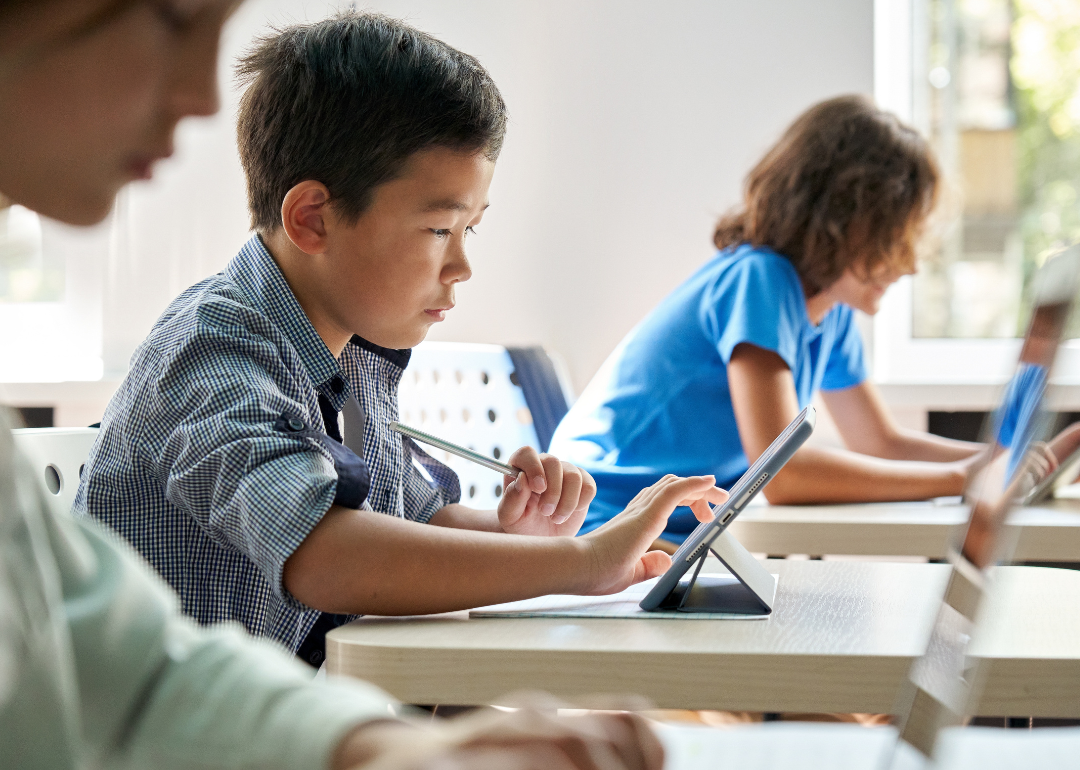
[(867, 428), (764, 400)]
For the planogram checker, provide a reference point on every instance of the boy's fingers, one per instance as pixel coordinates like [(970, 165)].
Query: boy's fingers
[(514, 501), (674, 491), (585, 498), (652, 564), (702, 511), (700, 505), (571, 493), (716, 495), (588, 489), (529, 461), (553, 475)]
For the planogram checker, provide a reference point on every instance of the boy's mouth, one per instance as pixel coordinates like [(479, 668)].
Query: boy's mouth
[(439, 314)]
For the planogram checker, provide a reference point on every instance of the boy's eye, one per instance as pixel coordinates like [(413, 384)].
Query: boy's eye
[(443, 232)]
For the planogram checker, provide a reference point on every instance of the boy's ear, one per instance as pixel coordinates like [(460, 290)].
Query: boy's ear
[(303, 215)]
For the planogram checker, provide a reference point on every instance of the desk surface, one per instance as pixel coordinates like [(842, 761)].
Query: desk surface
[(841, 638), (1047, 532)]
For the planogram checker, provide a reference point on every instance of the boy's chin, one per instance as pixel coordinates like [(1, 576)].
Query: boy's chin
[(405, 339)]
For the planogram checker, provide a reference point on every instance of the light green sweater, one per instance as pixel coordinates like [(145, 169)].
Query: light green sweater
[(99, 669)]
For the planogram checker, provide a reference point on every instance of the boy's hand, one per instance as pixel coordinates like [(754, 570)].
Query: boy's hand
[(620, 548), (525, 739), (548, 497)]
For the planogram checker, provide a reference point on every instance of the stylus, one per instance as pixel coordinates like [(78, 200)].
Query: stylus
[(454, 449)]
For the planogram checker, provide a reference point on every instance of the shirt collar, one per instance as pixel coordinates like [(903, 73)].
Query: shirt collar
[(399, 358), (256, 272)]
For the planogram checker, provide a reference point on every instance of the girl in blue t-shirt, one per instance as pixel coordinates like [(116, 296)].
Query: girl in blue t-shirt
[(709, 378)]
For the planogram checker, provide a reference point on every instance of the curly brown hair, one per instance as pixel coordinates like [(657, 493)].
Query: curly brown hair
[(847, 185)]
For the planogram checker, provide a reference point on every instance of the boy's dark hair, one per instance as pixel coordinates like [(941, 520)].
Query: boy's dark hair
[(346, 101), (846, 185)]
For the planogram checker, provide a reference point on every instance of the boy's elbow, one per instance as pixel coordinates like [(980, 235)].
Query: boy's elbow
[(310, 574), (302, 581)]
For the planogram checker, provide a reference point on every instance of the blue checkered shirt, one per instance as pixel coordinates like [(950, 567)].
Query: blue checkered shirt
[(213, 460)]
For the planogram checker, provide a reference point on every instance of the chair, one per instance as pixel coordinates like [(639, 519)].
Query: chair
[(546, 387), (57, 456), (486, 397)]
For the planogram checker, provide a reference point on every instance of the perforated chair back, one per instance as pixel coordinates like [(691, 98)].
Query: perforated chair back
[(469, 394), (57, 456)]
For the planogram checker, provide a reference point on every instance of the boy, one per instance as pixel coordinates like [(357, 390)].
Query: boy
[(97, 667), (368, 149)]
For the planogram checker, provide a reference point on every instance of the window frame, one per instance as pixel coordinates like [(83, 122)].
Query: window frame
[(897, 357)]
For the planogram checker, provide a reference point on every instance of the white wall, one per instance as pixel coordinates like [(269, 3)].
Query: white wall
[(632, 125)]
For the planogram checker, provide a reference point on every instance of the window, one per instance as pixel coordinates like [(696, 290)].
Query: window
[(54, 324), (995, 85)]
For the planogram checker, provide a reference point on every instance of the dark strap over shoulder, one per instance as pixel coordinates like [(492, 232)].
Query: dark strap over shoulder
[(353, 485), (313, 649)]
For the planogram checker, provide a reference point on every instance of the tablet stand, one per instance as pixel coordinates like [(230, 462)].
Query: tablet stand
[(749, 590)]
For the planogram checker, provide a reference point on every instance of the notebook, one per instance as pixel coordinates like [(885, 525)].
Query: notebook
[(621, 605)]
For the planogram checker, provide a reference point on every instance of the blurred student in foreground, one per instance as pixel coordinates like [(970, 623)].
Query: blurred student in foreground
[(97, 668)]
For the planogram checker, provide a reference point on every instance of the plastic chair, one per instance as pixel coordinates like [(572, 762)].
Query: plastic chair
[(546, 387), (485, 397), (57, 456)]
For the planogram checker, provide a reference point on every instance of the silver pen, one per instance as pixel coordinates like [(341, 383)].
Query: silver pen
[(454, 449)]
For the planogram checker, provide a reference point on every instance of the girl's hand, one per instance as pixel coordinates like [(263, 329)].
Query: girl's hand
[(548, 496)]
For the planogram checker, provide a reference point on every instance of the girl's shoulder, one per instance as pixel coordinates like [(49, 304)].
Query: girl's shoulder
[(746, 257), (753, 268)]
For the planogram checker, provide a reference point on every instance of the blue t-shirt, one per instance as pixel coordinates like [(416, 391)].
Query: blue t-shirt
[(660, 403)]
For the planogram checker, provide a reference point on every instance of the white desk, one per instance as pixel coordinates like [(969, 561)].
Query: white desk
[(841, 639), (791, 746), (1048, 532)]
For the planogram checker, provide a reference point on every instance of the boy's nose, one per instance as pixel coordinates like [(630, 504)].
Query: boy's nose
[(458, 268)]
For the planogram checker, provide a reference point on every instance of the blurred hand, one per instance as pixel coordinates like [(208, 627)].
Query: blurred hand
[(620, 548), (518, 740), (548, 497), (1040, 461), (1065, 443)]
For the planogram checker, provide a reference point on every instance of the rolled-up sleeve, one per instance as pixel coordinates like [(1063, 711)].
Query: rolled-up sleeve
[(247, 462), (428, 484)]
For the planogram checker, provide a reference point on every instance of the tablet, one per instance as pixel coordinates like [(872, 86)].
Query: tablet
[(753, 481)]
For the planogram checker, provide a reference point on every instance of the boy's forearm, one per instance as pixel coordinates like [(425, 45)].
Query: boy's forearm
[(818, 475), (457, 516), (361, 562)]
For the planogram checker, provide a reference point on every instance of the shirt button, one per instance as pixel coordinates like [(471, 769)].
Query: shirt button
[(295, 424), (337, 385)]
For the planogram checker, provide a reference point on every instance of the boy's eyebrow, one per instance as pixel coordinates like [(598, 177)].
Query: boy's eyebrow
[(448, 204)]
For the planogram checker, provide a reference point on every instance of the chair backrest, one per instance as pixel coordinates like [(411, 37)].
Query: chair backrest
[(547, 390), (57, 456), (470, 394)]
